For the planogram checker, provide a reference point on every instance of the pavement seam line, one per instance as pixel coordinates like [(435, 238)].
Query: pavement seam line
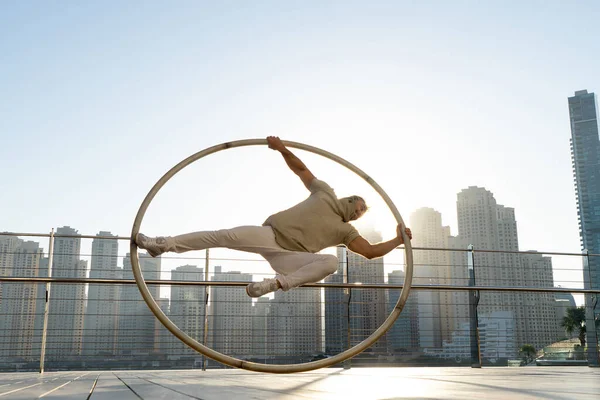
[(129, 387), (93, 387), (166, 387)]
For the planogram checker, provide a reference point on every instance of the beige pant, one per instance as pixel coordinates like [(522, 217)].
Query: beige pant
[(294, 268)]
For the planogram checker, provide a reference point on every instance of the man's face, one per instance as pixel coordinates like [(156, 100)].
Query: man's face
[(359, 209)]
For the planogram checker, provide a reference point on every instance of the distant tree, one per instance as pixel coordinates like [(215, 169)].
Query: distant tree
[(574, 321), (528, 352)]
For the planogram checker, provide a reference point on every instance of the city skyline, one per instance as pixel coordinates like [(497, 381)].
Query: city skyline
[(295, 313), (433, 323), (567, 271)]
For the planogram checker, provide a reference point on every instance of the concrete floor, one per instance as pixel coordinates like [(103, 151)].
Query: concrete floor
[(557, 383)]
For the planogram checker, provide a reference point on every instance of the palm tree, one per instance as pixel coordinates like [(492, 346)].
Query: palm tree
[(575, 320)]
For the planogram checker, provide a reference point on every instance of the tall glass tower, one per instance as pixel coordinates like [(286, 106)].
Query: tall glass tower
[(585, 154)]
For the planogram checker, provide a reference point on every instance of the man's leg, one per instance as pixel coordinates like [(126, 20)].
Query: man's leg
[(294, 269), (297, 268), (253, 239)]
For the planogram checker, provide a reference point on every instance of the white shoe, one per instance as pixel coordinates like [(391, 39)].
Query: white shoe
[(257, 289), (155, 246)]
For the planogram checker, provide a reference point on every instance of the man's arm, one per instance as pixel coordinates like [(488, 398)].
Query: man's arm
[(295, 164), (361, 246)]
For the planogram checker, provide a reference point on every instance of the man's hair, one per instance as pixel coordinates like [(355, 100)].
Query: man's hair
[(355, 198)]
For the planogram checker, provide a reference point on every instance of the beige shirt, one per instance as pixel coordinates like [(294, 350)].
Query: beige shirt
[(314, 224)]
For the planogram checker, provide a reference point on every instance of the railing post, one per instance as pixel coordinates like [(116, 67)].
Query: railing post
[(348, 295), (591, 301), (206, 288), (47, 302), (473, 318)]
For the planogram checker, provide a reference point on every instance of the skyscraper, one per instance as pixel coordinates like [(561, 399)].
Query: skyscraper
[(101, 315), (163, 338), (563, 301), (459, 276), (336, 311), (231, 311), (187, 308), (19, 323), (537, 272), (295, 318), (585, 155), (260, 329), (8, 246), (368, 307), (497, 335), (404, 334), (67, 301), (436, 319), (137, 324), (490, 226)]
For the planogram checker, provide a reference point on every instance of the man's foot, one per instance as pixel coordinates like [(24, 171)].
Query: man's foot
[(154, 246), (257, 289)]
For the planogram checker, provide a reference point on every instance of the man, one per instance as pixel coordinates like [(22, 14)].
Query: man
[(290, 239)]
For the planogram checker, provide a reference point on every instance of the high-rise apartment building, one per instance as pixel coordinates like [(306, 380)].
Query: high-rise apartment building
[(137, 324), (497, 336), (231, 315), (262, 335), (8, 247), (368, 309), (102, 312), (537, 272), (295, 321), (490, 226), (20, 302), (163, 338), (563, 301), (187, 308), (403, 336), (67, 301), (336, 311), (585, 155), (435, 308), (459, 276), (8, 244)]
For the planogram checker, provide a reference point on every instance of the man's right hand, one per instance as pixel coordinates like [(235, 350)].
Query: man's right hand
[(275, 143)]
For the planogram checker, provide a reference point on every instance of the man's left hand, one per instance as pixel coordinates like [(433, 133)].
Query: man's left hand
[(399, 233)]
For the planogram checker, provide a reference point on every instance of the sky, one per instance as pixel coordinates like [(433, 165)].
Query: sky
[(100, 99)]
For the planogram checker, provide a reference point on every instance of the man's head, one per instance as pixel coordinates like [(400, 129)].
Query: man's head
[(355, 207), (360, 207)]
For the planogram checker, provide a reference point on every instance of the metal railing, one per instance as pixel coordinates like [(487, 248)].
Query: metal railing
[(468, 307)]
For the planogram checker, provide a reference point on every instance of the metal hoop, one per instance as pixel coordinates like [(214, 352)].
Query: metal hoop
[(235, 362)]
